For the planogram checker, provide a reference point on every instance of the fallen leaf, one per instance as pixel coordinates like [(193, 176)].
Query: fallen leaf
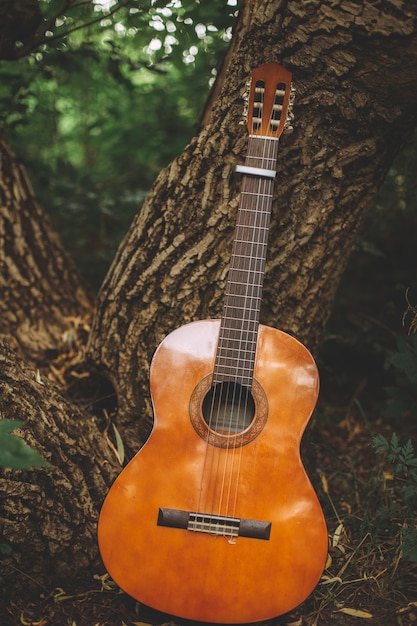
[(337, 534), (327, 580), (324, 483), (329, 561), (120, 447), (356, 613)]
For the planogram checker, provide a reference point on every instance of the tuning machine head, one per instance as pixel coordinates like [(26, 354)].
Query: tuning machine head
[(245, 97), (288, 127)]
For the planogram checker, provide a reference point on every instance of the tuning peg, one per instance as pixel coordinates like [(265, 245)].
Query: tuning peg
[(244, 119), (245, 92), (289, 118)]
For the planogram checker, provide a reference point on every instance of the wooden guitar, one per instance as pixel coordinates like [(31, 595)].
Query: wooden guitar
[(215, 519)]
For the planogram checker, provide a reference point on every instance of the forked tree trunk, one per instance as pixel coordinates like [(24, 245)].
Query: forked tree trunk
[(41, 294), (354, 67), (355, 107)]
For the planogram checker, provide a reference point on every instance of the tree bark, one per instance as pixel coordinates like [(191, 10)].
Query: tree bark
[(49, 515), (355, 108), (41, 293)]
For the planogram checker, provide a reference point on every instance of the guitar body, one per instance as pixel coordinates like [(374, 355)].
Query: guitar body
[(256, 474)]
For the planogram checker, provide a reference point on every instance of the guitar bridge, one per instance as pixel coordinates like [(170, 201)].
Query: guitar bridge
[(214, 524)]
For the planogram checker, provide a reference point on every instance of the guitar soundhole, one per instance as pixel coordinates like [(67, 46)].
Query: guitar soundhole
[(228, 415), (228, 408)]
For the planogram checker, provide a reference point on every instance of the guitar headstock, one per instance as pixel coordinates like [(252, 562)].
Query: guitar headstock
[(271, 98)]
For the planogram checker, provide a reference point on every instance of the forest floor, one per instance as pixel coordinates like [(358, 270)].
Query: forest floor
[(371, 572)]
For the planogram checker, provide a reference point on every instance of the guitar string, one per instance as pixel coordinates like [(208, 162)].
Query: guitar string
[(242, 271), (248, 221), (215, 417), (259, 241), (254, 255), (245, 334), (262, 194), (259, 189)]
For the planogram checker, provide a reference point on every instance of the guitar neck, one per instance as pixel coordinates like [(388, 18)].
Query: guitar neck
[(236, 348)]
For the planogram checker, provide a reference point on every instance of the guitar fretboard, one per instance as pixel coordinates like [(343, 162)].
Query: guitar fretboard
[(236, 350)]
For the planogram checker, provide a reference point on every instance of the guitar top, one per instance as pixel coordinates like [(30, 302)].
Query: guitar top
[(215, 519)]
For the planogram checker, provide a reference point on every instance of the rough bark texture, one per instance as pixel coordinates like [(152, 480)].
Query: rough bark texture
[(356, 105), (40, 290), (49, 515)]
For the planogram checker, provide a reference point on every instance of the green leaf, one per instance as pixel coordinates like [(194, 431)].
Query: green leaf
[(6, 426), (14, 452), (119, 445), (380, 443)]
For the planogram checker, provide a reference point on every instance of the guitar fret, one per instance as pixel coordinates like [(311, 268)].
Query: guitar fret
[(241, 308), (236, 357), (235, 342), (242, 334), (245, 366), (241, 269), (258, 211), (248, 290), (260, 243), (237, 283), (238, 297), (242, 371), (234, 333), (257, 194), (239, 319), (249, 258), (237, 301), (243, 379)]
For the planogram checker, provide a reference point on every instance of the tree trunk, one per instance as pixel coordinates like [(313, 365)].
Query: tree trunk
[(49, 515), (41, 294), (355, 107)]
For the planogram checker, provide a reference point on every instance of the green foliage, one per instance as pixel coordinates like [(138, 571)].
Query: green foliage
[(400, 456), (14, 452), (106, 101), (402, 396), (397, 514)]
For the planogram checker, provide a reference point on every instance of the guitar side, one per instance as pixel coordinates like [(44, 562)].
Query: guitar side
[(208, 577)]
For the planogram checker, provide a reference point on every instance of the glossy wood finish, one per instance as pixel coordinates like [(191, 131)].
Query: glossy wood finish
[(199, 576)]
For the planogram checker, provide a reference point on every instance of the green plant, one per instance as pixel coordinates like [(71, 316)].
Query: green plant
[(398, 469), (14, 452), (402, 396)]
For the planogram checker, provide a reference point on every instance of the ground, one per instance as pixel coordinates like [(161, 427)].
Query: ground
[(369, 578)]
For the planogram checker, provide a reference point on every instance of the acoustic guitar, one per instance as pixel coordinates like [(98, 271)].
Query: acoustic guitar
[(215, 519)]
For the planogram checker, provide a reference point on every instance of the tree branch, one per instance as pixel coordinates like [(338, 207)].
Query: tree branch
[(41, 38)]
